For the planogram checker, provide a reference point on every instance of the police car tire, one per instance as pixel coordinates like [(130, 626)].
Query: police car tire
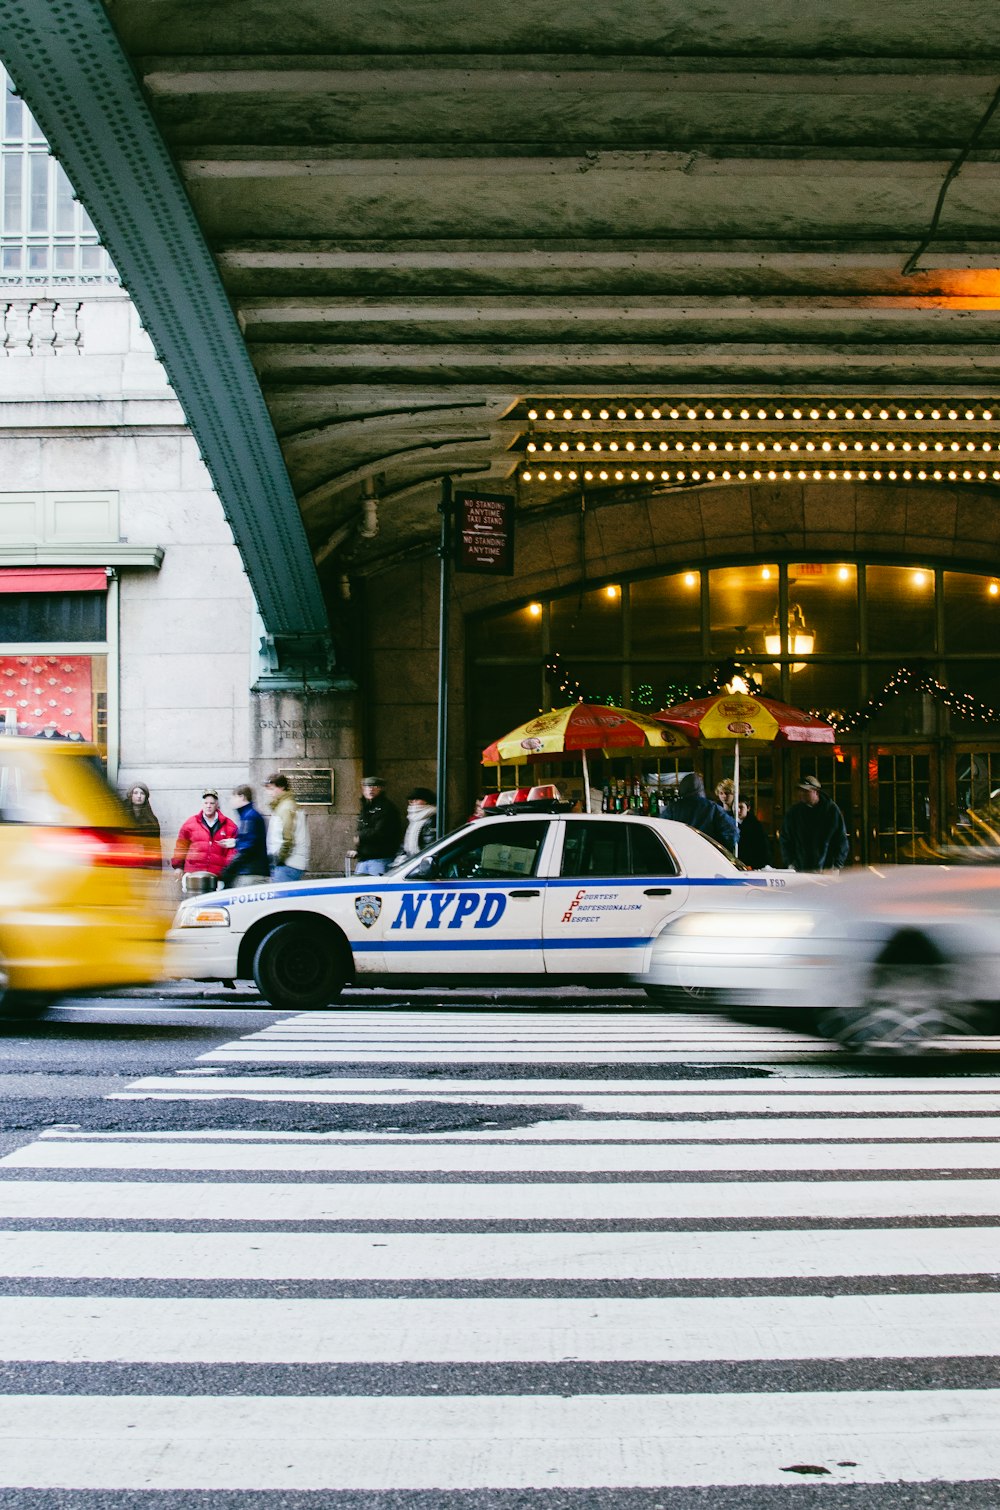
[(296, 967)]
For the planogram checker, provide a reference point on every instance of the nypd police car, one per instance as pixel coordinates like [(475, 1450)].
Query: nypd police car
[(534, 897)]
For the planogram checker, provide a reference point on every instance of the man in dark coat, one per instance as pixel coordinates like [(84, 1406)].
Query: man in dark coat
[(380, 829), (249, 863), (697, 811), (813, 831)]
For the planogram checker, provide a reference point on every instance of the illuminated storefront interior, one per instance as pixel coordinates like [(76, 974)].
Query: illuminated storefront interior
[(902, 658)]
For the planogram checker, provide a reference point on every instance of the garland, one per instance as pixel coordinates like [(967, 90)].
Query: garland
[(962, 704), (904, 679)]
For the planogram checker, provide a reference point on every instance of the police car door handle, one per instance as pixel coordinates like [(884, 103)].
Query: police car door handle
[(525, 893), (658, 891)]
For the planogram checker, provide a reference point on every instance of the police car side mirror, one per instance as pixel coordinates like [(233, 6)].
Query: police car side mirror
[(425, 870)]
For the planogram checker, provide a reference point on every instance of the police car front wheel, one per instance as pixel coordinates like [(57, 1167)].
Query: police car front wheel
[(296, 967)]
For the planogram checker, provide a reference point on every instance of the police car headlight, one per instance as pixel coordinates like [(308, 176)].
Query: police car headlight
[(729, 925), (204, 917)]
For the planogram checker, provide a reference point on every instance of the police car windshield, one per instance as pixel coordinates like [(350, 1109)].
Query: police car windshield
[(733, 860)]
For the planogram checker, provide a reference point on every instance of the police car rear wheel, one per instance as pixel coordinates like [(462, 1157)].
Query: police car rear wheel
[(296, 967)]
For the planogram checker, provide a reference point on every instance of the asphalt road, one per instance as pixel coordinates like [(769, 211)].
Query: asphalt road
[(493, 1217), (55, 1070)]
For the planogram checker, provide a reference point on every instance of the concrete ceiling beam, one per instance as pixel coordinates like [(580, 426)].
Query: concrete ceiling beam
[(727, 28)]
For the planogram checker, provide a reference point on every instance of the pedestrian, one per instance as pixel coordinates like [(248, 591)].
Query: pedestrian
[(287, 835), (142, 814), (755, 846), (205, 839), (380, 829), (421, 822), (725, 795), (813, 831), (698, 811), (249, 863)]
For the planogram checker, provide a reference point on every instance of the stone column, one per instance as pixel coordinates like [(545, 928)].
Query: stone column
[(313, 737)]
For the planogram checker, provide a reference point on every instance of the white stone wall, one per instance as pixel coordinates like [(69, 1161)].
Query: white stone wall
[(100, 415)]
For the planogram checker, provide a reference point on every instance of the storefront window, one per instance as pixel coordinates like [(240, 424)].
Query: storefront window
[(979, 684), (744, 604), (826, 687), (33, 617), (654, 685), (641, 644), (971, 611), (599, 683), (588, 623), (900, 608), (825, 596), (666, 616), (510, 634), (55, 694)]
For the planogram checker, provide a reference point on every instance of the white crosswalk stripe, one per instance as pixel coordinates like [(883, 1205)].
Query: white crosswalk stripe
[(628, 1266)]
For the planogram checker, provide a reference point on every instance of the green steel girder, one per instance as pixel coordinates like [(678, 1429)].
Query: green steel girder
[(78, 83)]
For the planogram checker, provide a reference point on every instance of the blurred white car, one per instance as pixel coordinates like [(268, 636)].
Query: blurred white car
[(532, 897), (883, 962)]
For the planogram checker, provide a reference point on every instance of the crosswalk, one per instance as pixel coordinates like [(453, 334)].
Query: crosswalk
[(510, 1258)]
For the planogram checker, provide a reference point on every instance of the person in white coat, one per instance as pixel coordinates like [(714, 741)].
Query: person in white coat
[(287, 835)]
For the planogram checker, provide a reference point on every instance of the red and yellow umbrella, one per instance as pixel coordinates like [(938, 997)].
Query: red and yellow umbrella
[(734, 720), (581, 727)]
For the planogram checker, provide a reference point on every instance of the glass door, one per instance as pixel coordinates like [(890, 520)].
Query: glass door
[(903, 804), (976, 800)]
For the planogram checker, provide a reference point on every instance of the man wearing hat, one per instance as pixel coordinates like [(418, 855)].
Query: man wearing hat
[(380, 829), (813, 831), (205, 841)]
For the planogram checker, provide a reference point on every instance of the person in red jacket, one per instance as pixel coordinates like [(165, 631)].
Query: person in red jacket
[(205, 841)]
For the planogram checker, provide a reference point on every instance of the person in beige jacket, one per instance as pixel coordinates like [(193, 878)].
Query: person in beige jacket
[(287, 836)]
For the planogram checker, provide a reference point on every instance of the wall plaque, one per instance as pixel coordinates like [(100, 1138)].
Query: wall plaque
[(311, 786)]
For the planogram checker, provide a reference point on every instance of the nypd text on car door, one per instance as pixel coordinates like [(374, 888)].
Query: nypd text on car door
[(472, 906)]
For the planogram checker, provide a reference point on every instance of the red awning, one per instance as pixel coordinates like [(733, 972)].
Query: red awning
[(53, 579)]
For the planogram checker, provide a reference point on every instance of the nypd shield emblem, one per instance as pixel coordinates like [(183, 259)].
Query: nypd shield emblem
[(367, 909)]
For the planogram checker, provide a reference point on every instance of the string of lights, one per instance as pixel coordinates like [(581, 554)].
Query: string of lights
[(681, 443), (961, 704), (683, 476), (855, 409)]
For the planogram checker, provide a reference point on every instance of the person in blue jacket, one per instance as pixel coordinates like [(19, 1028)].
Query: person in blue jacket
[(249, 863), (698, 811)]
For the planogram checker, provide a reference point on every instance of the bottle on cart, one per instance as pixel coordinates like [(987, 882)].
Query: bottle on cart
[(653, 804), (637, 802), (606, 798), (619, 796)]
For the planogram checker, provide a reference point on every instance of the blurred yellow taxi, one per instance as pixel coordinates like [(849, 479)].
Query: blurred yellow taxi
[(82, 904)]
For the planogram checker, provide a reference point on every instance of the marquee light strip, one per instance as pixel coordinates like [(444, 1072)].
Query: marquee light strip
[(827, 445), (935, 410), (695, 474)]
